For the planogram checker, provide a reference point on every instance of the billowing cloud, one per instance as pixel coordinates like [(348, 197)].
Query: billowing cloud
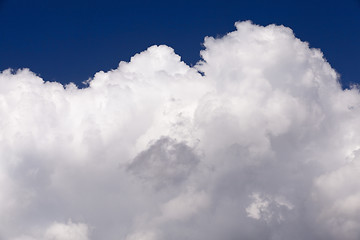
[(257, 141)]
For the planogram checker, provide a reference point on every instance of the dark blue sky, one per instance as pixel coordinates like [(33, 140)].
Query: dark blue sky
[(68, 41)]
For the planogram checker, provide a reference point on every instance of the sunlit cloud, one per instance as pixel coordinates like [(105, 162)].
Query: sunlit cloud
[(256, 141)]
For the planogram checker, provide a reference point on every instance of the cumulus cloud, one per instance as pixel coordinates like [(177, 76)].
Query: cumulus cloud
[(257, 141)]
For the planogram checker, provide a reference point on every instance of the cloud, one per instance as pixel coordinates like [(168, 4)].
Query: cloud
[(165, 163), (257, 141), (70, 231), (62, 231)]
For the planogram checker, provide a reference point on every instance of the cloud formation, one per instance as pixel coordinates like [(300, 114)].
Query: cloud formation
[(257, 141)]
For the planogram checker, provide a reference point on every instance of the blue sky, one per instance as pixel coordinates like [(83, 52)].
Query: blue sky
[(69, 41)]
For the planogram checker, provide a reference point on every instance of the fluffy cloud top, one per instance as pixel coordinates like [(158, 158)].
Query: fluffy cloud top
[(257, 141)]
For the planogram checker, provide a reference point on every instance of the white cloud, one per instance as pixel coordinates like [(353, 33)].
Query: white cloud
[(184, 206), (263, 145), (69, 231), (267, 208), (60, 231)]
